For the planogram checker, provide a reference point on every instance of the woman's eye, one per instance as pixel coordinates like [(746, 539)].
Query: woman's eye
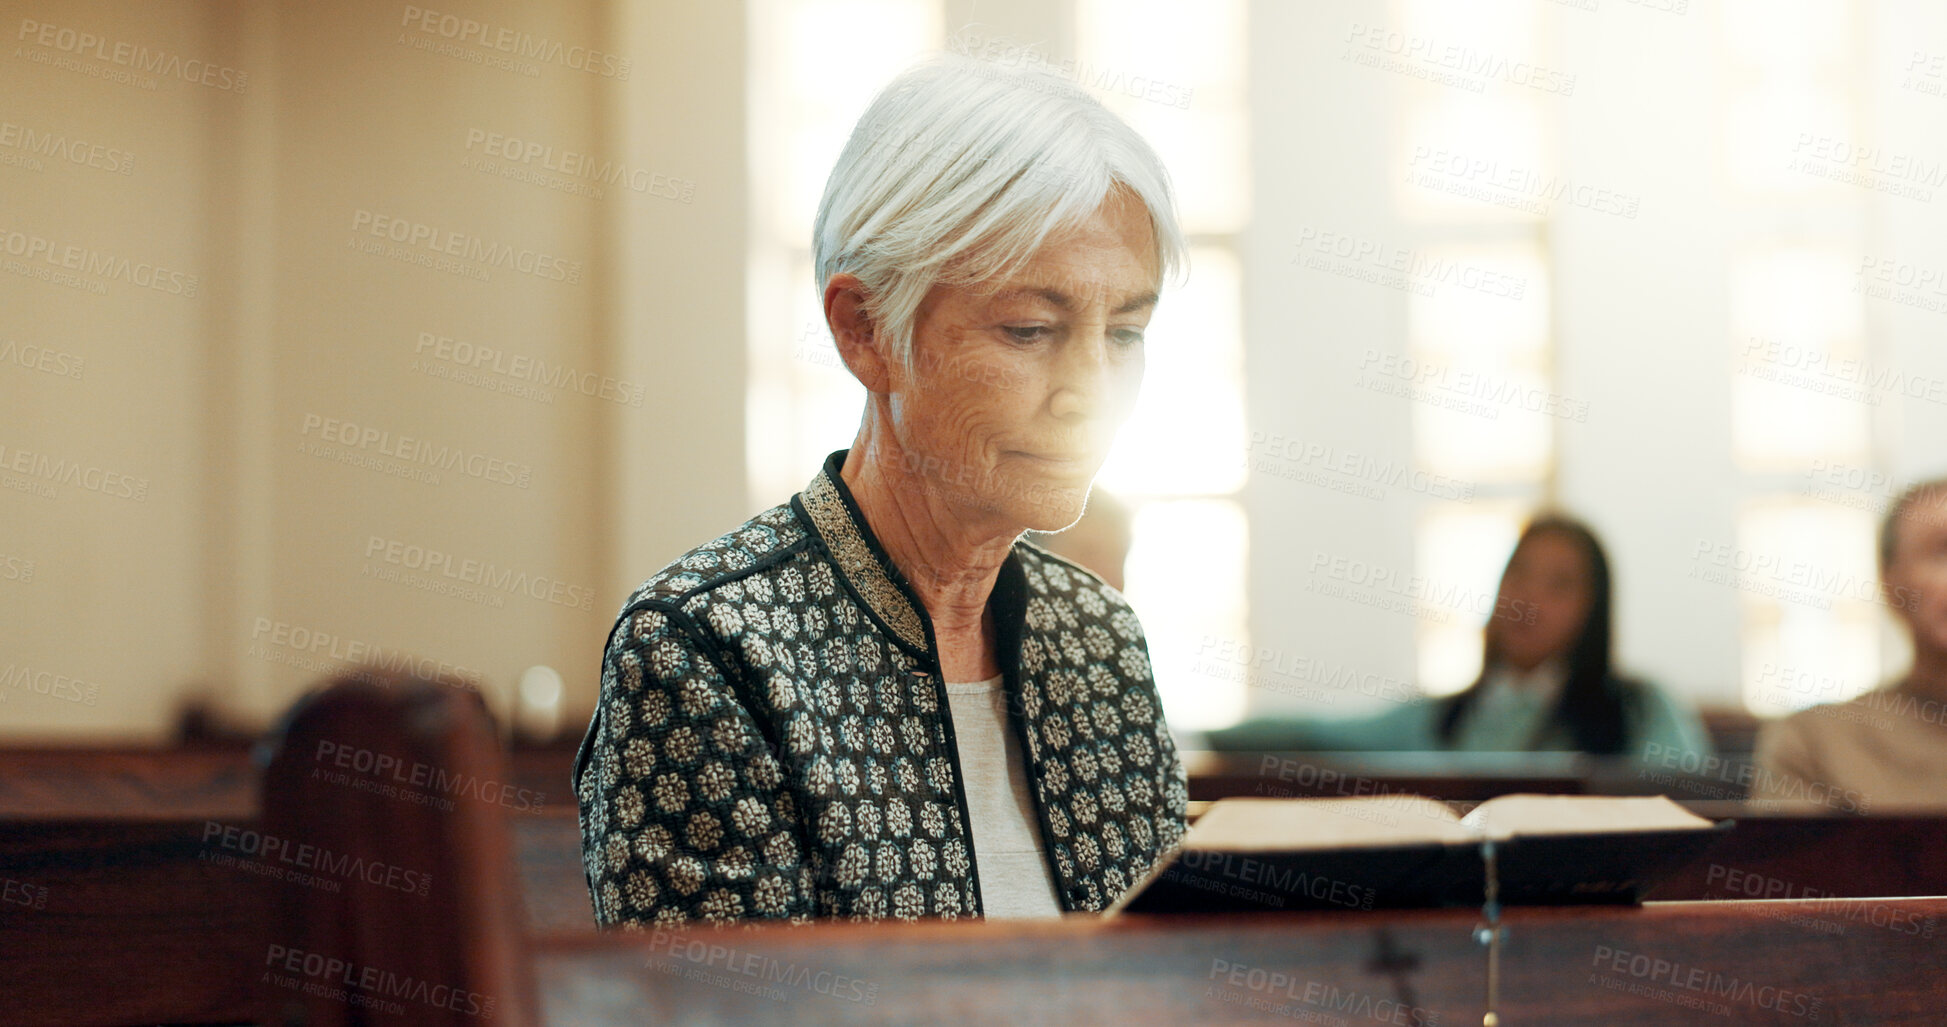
[(1027, 333), (1127, 337)]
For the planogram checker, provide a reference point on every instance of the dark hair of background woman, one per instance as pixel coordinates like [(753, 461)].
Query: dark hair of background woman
[(1590, 706)]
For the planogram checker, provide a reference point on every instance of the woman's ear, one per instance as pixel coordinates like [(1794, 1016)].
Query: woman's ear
[(859, 343)]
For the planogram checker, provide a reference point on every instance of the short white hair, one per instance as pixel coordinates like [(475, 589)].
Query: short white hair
[(960, 170)]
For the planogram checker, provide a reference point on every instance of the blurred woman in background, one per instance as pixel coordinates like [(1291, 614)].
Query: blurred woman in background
[(1547, 680)]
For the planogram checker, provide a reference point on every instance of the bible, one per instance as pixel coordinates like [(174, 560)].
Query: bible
[(1402, 851)]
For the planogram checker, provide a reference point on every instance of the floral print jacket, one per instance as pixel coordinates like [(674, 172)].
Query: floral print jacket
[(772, 739)]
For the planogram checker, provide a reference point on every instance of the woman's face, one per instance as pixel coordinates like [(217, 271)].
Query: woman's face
[(1018, 388), (1546, 595)]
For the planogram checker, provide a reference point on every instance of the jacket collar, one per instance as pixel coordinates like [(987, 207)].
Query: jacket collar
[(834, 516)]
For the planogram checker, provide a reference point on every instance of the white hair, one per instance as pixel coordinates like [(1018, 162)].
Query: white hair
[(960, 170)]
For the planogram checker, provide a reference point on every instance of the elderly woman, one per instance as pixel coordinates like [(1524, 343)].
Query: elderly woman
[(878, 700)]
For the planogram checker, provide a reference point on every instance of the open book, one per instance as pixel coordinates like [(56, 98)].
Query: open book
[(1407, 850)]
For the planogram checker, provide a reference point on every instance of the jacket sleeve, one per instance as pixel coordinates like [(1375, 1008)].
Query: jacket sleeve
[(685, 812), (1175, 784)]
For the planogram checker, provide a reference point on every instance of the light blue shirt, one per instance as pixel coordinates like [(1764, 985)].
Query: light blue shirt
[(1513, 713)]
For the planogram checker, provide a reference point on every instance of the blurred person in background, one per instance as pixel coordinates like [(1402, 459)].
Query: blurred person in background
[(1547, 682), (1886, 749)]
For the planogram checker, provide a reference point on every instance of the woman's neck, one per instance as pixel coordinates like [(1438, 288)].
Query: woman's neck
[(951, 560)]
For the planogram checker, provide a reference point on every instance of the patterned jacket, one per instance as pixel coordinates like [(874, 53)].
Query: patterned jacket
[(772, 738)]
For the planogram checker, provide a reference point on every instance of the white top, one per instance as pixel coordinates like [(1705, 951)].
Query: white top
[(1009, 853), (1514, 709)]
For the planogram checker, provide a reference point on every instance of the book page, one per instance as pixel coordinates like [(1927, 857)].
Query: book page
[(1292, 825), (1578, 814)]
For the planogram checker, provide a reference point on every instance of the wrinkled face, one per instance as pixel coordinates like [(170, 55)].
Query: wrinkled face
[(1019, 386), (1917, 579), (1546, 596)]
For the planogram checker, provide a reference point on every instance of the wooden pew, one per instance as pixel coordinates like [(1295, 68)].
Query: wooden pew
[(1772, 855), (131, 924), (125, 782), (399, 792), (1705, 963), (217, 925), (128, 783)]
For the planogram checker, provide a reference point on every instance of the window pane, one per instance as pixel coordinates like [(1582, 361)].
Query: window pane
[(803, 104), (1188, 430), (1473, 158), (1186, 580), (1808, 587), (1460, 552), (1176, 73), (1484, 405), (1801, 391), (815, 66)]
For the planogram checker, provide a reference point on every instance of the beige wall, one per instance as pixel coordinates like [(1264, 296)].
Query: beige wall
[(250, 530)]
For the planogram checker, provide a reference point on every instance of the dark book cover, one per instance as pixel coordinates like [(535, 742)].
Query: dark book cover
[(1617, 867)]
